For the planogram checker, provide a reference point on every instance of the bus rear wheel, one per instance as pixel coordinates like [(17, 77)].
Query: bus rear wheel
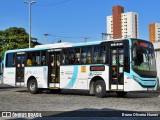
[(121, 93), (100, 88), (32, 86)]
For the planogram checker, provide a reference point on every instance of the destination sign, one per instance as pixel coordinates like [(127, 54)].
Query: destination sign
[(143, 44), (116, 44), (97, 68)]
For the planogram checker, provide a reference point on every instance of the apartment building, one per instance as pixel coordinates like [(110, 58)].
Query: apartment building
[(154, 32), (122, 25)]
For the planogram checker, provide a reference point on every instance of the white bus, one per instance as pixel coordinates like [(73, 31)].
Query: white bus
[(101, 66)]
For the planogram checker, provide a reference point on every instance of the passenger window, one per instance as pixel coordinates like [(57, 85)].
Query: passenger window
[(33, 59), (99, 54), (43, 58), (71, 56), (77, 56), (64, 57), (86, 55), (10, 61)]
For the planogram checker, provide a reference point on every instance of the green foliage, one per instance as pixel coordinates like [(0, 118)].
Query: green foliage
[(14, 38)]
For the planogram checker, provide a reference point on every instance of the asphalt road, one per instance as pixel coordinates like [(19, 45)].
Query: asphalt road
[(69, 102)]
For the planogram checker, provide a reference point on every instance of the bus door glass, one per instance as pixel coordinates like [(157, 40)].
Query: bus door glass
[(54, 69), (117, 68), (20, 64)]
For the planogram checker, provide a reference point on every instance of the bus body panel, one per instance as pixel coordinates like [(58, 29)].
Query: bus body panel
[(132, 85), (40, 73), (143, 84), (9, 76), (80, 76)]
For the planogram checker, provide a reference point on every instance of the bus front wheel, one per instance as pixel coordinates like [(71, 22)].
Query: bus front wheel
[(100, 88), (32, 86)]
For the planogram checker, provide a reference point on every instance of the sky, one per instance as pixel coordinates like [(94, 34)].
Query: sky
[(73, 20)]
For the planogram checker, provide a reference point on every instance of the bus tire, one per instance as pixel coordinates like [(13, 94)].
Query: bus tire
[(121, 93), (100, 88), (32, 86)]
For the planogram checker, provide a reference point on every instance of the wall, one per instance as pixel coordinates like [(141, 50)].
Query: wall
[(157, 54)]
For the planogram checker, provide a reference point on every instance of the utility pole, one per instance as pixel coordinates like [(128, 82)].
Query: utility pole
[(45, 38), (103, 34), (106, 34), (29, 3), (85, 39)]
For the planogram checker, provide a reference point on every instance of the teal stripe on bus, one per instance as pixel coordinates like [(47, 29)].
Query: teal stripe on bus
[(86, 44), (74, 76)]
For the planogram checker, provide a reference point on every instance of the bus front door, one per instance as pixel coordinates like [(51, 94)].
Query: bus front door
[(117, 68), (20, 64), (54, 70)]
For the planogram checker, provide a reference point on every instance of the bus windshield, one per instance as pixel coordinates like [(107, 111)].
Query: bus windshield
[(143, 57)]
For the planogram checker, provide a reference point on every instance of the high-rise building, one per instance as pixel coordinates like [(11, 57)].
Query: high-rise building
[(154, 32), (122, 25), (117, 25)]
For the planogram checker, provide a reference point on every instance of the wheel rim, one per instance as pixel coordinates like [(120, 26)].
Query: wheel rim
[(32, 86), (98, 89)]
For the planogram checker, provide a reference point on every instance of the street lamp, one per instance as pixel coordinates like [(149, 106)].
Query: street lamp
[(29, 3)]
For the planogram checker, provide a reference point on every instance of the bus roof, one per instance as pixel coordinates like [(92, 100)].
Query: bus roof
[(61, 45), (55, 45)]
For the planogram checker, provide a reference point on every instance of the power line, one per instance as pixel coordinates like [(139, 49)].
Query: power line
[(66, 36), (56, 36), (52, 4)]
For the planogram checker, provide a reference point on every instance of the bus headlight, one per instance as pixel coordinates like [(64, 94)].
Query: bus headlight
[(136, 78)]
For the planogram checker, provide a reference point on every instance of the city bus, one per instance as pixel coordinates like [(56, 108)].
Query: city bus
[(120, 65)]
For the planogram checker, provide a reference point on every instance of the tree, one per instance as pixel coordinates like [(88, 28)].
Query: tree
[(15, 38)]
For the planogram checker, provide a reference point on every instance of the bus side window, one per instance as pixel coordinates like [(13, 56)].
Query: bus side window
[(64, 57), (43, 58), (102, 54), (83, 54), (77, 56), (33, 58), (96, 54), (86, 55), (29, 59), (71, 56), (10, 61), (99, 54)]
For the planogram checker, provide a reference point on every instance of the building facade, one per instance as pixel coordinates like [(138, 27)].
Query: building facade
[(122, 25), (154, 32)]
